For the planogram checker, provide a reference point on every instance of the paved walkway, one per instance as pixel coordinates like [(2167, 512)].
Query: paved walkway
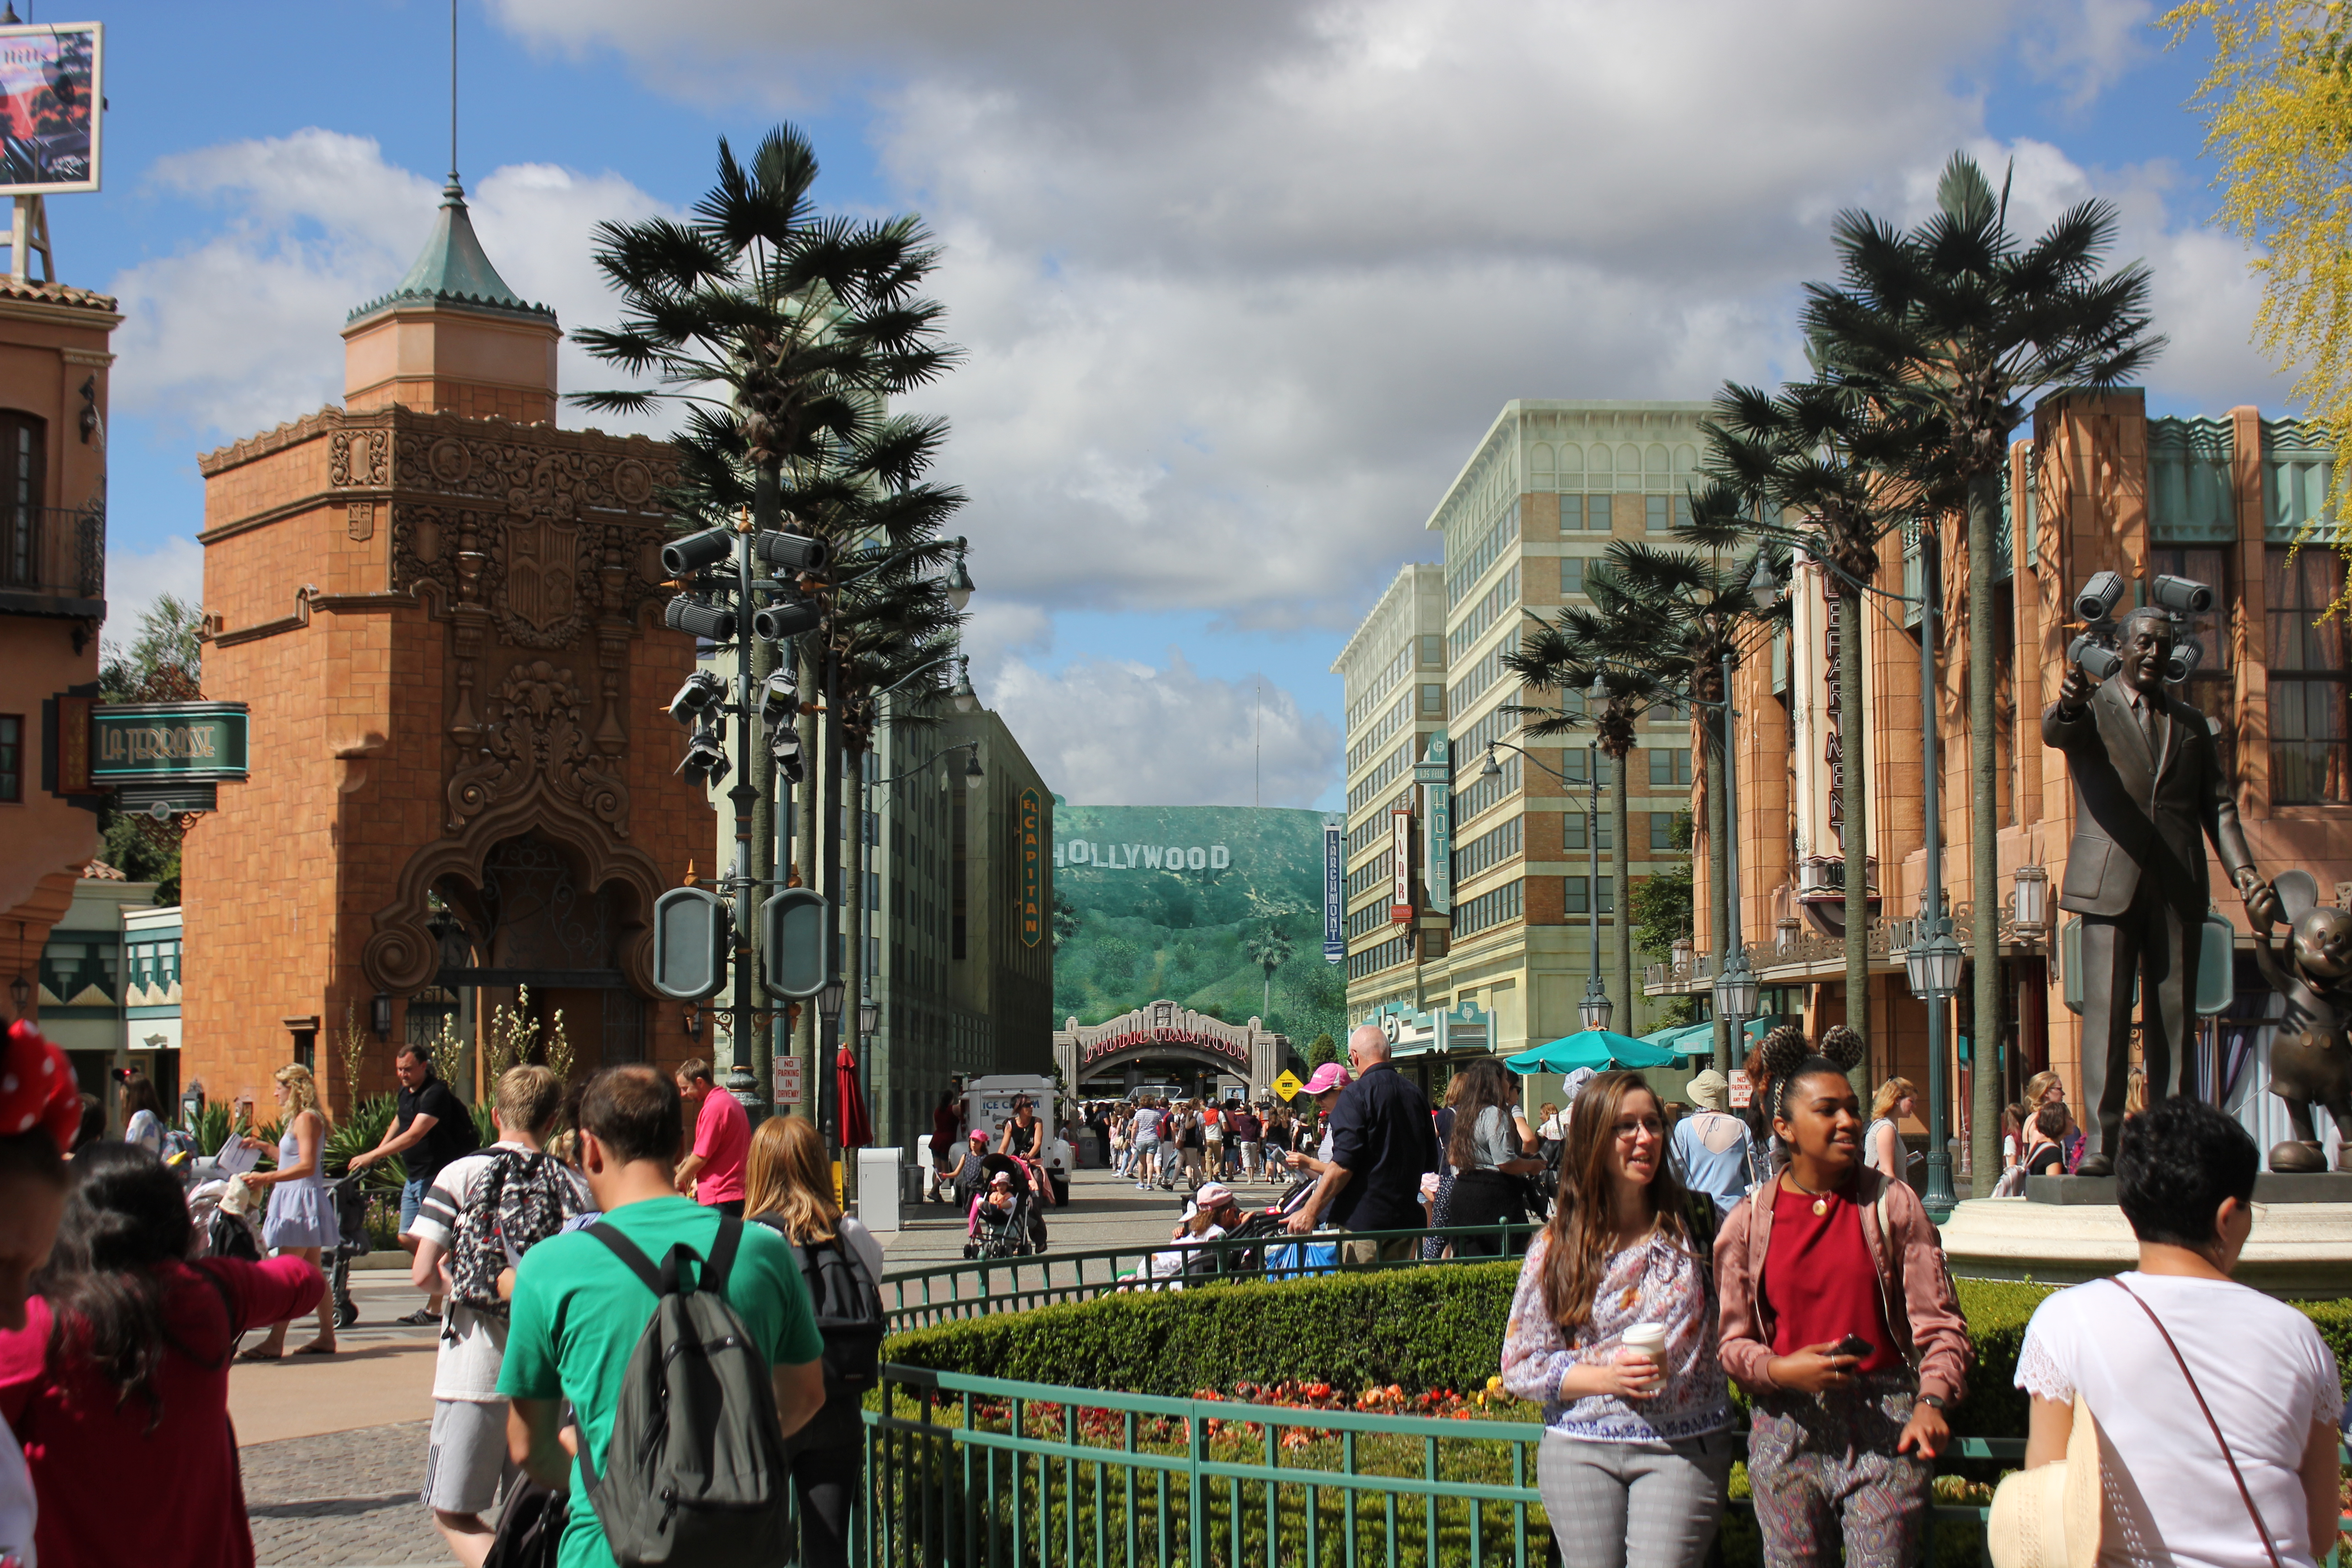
[(334, 1447)]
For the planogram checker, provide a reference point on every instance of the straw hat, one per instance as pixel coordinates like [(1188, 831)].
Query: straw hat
[(1710, 1091), (2050, 1516)]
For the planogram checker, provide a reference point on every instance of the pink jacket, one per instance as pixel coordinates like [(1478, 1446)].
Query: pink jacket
[(1928, 1328)]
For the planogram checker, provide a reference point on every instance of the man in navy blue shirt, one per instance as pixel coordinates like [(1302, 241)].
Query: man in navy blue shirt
[(1382, 1144)]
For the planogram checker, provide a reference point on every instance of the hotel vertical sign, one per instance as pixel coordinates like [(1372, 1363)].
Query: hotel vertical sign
[(1030, 813), (1335, 893), (1401, 857), (1434, 773)]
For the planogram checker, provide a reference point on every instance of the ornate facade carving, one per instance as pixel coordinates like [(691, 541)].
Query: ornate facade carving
[(359, 458), (532, 738)]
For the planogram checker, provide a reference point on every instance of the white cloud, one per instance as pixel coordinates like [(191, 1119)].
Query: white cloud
[(238, 333), (136, 579), (1118, 732), (1241, 285)]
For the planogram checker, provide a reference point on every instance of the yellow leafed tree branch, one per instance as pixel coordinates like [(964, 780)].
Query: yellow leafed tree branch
[(2277, 102)]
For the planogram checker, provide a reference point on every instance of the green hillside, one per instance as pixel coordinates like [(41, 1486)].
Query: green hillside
[(1134, 923)]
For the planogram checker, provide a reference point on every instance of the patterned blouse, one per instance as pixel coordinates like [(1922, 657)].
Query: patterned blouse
[(1653, 1281)]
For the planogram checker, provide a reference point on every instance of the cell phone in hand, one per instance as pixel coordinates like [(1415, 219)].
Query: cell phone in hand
[(1856, 1346)]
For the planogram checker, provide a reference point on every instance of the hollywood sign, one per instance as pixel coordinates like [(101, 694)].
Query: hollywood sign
[(1146, 857), (1138, 1040)]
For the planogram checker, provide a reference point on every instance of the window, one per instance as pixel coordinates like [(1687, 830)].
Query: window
[(1654, 513), (12, 757), (1662, 830), (1670, 766), (1488, 850), (1682, 511), (1574, 836), (1571, 574), (1584, 513), (1577, 896), (2308, 727), (1433, 649), (1432, 700), (1598, 517), (1573, 761), (23, 441), (1488, 910), (1373, 960), (1571, 513)]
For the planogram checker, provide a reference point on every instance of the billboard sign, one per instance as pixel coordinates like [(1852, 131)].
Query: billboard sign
[(1401, 858), (1335, 895), (52, 98)]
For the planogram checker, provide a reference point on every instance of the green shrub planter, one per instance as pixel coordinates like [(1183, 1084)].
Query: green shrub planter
[(1419, 1328)]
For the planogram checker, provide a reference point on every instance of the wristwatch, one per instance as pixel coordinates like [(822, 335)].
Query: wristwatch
[(1934, 1401)]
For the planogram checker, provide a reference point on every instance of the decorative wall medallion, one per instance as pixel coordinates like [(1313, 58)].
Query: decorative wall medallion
[(359, 458), (542, 562), (632, 481), (363, 520), (450, 460)]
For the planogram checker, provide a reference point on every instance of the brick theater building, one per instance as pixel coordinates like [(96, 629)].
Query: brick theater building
[(446, 614)]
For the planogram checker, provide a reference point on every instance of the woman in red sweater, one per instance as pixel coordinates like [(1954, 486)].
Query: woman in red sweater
[(122, 1369), (1837, 1316)]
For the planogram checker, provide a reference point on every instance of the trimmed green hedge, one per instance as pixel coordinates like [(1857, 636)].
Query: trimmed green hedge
[(1419, 1328)]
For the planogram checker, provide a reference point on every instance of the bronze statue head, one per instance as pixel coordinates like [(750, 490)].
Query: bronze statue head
[(2144, 643), (2323, 944)]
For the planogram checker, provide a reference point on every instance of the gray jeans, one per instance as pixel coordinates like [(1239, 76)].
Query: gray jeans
[(1634, 1505)]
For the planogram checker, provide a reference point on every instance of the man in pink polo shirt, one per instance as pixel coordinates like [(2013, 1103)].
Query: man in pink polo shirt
[(713, 1173)]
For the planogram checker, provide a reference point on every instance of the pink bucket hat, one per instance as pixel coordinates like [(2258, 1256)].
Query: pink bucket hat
[(1329, 1076)]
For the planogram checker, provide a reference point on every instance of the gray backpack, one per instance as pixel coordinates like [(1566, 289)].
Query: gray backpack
[(695, 1471)]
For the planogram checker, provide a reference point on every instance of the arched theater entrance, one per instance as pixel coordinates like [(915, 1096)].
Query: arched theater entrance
[(1113, 1056)]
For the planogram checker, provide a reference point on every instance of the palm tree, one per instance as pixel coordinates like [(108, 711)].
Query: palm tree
[(1846, 463), (1583, 655), (1963, 322), (784, 333), (1269, 950), (1663, 621)]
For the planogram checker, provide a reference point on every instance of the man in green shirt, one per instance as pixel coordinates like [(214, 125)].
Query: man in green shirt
[(578, 1310)]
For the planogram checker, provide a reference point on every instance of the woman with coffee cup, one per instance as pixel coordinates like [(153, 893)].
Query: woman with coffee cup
[(1838, 1317), (1612, 1331)]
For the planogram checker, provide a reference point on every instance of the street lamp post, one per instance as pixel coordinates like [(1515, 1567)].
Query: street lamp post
[(1596, 1007), (1934, 923)]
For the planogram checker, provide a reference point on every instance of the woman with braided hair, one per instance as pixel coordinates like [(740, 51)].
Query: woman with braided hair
[(1838, 1317)]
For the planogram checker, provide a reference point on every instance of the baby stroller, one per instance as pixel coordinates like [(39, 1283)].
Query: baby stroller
[(351, 1222), (219, 1208), (1014, 1232)]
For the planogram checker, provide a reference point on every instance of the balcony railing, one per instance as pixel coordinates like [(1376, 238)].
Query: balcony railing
[(1796, 945), (53, 560)]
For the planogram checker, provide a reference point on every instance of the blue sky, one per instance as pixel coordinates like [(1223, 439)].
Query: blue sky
[(1241, 284)]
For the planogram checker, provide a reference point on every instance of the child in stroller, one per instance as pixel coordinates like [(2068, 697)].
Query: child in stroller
[(1003, 1221)]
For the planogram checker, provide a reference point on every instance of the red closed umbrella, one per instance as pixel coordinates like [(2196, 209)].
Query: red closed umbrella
[(856, 1131)]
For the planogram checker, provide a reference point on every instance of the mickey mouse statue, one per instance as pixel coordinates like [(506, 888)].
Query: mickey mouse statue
[(2310, 1057)]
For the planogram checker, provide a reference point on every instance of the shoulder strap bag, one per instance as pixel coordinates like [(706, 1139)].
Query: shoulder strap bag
[(2228, 1458)]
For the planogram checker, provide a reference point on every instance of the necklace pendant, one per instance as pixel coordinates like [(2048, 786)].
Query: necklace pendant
[(1820, 1205)]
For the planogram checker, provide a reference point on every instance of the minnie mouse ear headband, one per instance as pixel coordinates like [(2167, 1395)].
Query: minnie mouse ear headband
[(37, 1087)]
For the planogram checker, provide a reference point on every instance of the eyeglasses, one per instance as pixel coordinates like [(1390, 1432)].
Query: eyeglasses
[(1634, 1124)]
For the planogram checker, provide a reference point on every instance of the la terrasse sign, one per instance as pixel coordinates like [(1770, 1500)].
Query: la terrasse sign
[(167, 743)]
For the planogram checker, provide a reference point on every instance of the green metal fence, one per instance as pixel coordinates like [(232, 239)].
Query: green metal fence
[(979, 1472), (918, 1298)]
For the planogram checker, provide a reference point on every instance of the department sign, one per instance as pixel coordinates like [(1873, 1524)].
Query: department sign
[(167, 743)]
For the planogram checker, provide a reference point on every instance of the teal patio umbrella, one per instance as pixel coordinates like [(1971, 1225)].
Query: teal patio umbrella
[(1596, 1048)]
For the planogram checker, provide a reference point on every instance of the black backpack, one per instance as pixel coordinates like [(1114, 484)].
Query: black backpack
[(848, 1305), (695, 1468), (518, 1201)]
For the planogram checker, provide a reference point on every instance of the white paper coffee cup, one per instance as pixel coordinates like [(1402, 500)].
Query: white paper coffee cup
[(1648, 1338)]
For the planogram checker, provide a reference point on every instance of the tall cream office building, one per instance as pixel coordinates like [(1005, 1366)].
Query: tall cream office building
[(1546, 488)]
